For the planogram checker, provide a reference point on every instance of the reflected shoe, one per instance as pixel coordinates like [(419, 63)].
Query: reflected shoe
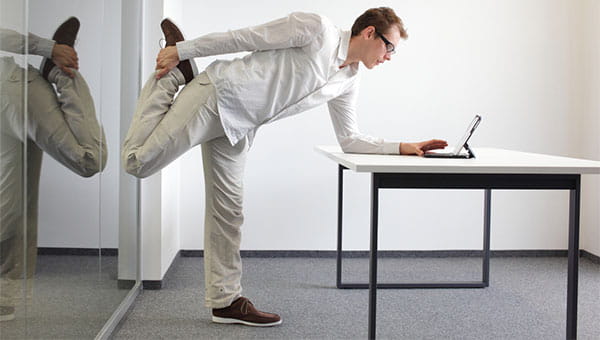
[(65, 34), (7, 313), (242, 311), (172, 36)]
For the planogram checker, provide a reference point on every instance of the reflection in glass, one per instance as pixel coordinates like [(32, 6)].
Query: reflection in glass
[(54, 224), (58, 118), (11, 224)]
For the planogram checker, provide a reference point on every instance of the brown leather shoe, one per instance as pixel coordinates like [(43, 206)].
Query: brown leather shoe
[(172, 36), (65, 34), (242, 311)]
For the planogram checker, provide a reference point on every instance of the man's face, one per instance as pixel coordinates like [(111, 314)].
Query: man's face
[(376, 51)]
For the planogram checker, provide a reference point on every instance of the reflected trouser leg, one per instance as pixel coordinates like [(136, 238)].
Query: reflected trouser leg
[(17, 263), (163, 129), (12, 151), (223, 174), (18, 251), (11, 254), (66, 126), (34, 167)]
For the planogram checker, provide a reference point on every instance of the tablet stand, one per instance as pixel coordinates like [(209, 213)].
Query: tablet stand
[(469, 151)]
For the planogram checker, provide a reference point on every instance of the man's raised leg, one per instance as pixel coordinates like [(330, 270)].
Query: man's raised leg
[(163, 129)]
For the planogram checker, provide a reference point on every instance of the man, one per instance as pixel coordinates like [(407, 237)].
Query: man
[(297, 62), (63, 126)]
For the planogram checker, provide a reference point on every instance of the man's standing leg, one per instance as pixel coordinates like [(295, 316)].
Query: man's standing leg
[(223, 174)]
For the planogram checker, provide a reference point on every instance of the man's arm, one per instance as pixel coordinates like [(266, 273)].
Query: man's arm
[(342, 110), (295, 30), (63, 56), (14, 42)]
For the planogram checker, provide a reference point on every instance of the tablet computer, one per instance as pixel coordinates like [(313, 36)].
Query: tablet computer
[(462, 143)]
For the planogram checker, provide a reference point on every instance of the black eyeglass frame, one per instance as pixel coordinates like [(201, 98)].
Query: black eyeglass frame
[(391, 50)]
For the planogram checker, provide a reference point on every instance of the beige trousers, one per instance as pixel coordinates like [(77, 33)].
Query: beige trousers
[(163, 129)]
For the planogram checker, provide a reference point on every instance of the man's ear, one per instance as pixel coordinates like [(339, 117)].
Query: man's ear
[(368, 32)]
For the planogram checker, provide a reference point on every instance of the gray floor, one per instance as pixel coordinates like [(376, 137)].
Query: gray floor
[(72, 298), (526, 300)]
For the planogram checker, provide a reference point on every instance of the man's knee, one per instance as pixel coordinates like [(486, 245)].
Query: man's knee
[(133, 165), (96, 162)]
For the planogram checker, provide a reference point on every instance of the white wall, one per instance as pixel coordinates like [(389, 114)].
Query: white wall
[(110, 118), (590, 127), (158, 214), (514, 62), (536, 83), (130, 28), (170, 181)]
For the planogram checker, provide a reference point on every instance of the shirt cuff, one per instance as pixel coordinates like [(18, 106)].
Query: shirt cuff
[(44, 48), (391, 148), (185, 49)]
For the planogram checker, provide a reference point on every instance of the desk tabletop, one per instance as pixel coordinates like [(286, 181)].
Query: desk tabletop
[(487, 160)]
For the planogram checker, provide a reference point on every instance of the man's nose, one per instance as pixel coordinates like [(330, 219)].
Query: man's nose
[(387, 56)]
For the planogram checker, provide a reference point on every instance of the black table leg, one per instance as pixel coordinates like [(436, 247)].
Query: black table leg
[(573, 270), (373, 260), (338, 280), (486, 237)]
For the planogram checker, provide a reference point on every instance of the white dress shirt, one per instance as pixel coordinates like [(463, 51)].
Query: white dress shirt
[(14, 42), (293, 67)]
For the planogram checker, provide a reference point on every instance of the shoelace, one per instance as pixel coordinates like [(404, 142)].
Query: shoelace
[(245, 307)]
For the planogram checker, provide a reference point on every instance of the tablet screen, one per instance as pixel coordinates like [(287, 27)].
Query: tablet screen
[(468, 134)]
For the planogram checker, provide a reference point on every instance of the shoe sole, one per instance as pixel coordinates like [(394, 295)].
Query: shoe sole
[(187, 67), (47, 64), (167, 24), (247, 323)]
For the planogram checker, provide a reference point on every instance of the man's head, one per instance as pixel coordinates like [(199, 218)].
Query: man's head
[(375, 34)]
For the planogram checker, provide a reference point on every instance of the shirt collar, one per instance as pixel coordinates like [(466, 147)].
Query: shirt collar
[(344, 45)]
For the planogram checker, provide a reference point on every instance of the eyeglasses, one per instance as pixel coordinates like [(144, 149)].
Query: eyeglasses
[(390, 48)]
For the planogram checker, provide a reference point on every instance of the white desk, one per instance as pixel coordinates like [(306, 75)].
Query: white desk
[(491, 169)]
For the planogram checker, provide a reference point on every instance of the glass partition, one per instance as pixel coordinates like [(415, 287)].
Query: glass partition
[(61, 212), (17, 234)]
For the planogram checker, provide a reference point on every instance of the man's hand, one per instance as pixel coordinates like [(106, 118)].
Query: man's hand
[(165, 61), (420, 148), (65, 58)]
